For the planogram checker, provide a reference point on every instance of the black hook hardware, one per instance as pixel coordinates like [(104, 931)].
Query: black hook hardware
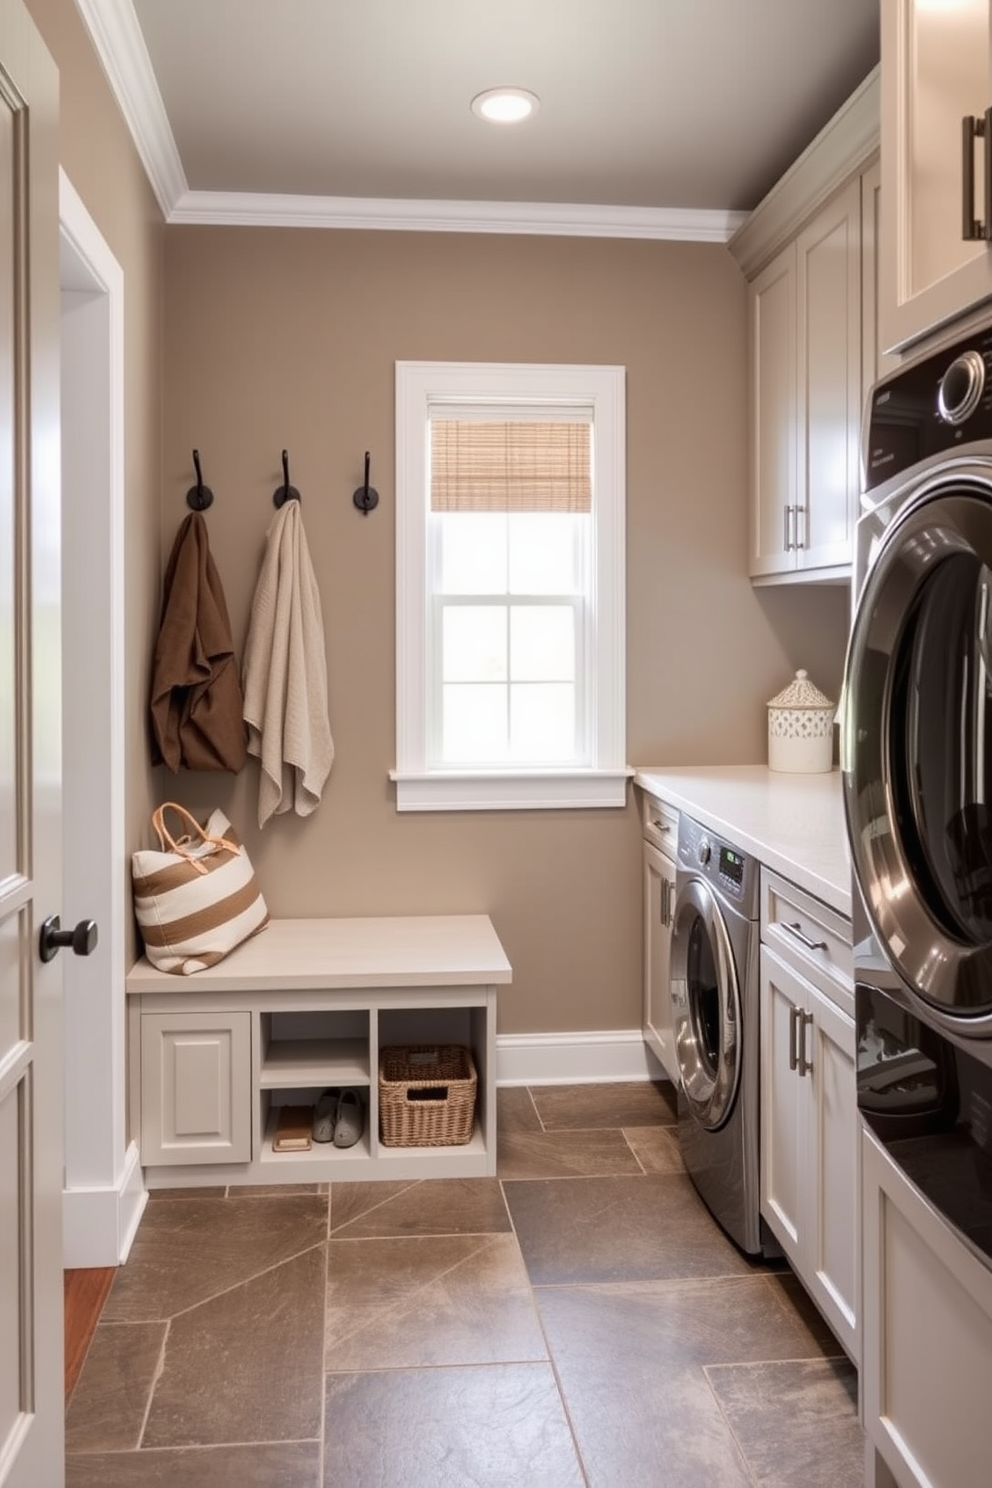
[(199, 497), (285, 492), (366, 498)]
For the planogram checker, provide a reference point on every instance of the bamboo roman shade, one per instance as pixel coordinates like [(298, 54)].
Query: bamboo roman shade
[(480, 465)]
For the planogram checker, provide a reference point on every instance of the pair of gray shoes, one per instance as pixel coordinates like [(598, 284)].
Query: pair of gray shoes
[(338, 1118)]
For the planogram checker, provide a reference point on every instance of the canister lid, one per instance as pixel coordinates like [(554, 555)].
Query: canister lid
[(801, 693)]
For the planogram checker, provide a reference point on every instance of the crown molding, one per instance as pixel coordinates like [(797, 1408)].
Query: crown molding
[(844, 145), (116, 36), (551, 219)]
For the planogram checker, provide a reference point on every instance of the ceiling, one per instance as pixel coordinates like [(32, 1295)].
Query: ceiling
[(652, 111)]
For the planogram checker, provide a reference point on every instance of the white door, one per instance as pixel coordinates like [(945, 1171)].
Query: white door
[(31, 1348)]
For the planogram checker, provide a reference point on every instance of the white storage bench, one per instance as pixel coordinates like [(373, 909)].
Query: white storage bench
[(305, 1005)]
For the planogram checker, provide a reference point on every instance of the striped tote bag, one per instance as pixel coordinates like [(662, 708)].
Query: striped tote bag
[(197, 897)]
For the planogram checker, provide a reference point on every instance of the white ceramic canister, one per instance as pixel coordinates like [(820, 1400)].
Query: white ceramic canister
[(800, 729)]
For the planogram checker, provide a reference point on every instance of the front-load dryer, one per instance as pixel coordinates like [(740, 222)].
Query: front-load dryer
[(916, 746), (714, 986)]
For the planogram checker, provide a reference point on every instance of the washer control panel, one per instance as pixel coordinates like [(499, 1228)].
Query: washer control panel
[(732, 872), (933, 407)]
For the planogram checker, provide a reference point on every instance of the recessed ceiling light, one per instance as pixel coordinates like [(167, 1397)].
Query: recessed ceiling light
[(505, 105)]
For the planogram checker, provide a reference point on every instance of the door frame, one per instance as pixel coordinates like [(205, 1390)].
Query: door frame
[(103, 1193)]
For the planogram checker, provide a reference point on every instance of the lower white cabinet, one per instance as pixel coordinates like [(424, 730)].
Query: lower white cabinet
[(927, 1339), (305, 1006), (660, 827), (809, 1139)]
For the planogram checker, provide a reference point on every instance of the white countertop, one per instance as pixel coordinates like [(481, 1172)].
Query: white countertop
[(792, 823)]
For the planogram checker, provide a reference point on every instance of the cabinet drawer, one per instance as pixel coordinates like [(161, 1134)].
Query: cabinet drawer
[(660, 824), (810, 936)]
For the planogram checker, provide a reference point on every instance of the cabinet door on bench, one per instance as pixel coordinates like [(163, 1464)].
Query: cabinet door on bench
[(195, 1088)]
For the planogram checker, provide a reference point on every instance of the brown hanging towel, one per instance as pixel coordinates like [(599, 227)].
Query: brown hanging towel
[(196, 699)]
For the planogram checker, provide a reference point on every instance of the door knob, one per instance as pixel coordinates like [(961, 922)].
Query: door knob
[(52, 938)]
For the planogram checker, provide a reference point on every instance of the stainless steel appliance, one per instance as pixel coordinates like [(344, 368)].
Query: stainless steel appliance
[(714, 983), (917, 769)]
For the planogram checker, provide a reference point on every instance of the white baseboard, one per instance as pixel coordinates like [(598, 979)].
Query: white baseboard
[(99, 1224), (574, 1058)]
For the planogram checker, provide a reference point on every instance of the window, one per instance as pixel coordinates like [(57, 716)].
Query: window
[(510, 586)]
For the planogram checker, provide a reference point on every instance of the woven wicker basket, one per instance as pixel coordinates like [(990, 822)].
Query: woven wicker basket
[(426, 1095)]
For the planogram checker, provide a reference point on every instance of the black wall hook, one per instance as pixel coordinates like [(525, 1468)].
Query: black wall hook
[(285, 492), (199, 497), (366, 498)]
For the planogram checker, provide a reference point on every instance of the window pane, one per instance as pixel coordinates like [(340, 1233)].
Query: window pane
[(473, 553), (542, 724), (542, 643), (473, 642), (474, 729), (544, 549)]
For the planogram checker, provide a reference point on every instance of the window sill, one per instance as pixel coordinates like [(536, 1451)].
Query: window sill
[(516, 790)]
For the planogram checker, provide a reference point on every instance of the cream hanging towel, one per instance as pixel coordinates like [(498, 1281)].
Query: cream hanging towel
[(284, 676)]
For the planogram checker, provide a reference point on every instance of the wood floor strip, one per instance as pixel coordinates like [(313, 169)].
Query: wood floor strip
[(85, 1293)]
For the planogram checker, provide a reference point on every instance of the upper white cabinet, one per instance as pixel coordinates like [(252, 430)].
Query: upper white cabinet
[(774, 424), (808, 251), (805, 339), (936, 72)]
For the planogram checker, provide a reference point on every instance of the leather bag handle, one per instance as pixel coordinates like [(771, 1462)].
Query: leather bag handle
[(182, 846)]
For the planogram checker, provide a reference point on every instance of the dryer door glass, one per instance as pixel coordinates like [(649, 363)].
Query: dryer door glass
[(705, 1006), (918, 748)]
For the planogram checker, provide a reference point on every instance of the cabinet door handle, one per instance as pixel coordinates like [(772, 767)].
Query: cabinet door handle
[(972, 128), (788, 528), (795, 1014), (800, 511), (664, 915), (805, 1064), (811, 945), (969, 227), (987, 172), (671, 902), (661, 826)]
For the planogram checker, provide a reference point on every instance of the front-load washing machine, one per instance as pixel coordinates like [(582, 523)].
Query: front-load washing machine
[(714, 986)]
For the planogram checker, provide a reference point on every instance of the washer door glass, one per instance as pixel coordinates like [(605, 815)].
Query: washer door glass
[(918, 747), (705, 1006)]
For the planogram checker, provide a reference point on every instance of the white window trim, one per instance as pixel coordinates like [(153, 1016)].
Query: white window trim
[(420, 385)]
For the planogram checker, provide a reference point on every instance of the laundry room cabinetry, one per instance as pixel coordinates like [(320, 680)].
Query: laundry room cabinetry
[(305, 1006), (808, 258), (660, 828), (808, 1154), (936, 256)]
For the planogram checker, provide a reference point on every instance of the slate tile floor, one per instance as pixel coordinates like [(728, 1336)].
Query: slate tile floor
[(577, 1322)]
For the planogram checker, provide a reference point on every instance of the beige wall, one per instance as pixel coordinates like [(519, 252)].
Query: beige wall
[(245, 341), (287, 338), (98, 156)]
